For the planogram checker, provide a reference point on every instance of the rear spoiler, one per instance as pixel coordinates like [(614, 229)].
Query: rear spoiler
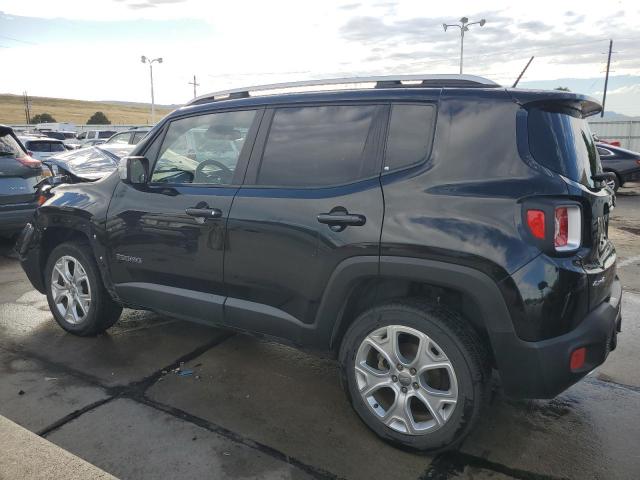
[(587, 105)]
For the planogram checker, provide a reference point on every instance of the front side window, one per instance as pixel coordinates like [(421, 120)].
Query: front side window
[(120, 138), (203, 149), (410, 135), (317, 146), (137, 136)]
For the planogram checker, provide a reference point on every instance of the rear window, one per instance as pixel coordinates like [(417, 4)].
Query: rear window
[(39, 146), (9, 147), (560, 140)]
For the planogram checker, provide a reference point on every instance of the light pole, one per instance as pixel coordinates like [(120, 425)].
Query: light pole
[(464, 27), (150, 61)]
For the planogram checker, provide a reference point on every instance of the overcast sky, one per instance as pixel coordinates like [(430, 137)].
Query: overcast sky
[(91, 49)]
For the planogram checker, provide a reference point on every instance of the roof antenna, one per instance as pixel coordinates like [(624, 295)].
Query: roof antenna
[(522, 72)]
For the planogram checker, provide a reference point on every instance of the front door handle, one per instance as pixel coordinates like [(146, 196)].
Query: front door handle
[(204, 213), (339, 218)]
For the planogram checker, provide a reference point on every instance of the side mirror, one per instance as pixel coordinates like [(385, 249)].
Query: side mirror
[(134, 170)]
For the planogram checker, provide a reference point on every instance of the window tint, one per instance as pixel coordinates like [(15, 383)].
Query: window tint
[(105, 133), (38, 146), (561, 140), (410, 135), (203, 149), (57, 147), (314, 146)]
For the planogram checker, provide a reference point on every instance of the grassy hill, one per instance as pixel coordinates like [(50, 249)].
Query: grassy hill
[(77, 111)]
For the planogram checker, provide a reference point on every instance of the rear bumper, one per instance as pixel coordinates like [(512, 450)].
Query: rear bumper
[(541, 369)]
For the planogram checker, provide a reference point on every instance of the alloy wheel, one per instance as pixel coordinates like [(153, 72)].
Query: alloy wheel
[(406, 379), (70, 289)]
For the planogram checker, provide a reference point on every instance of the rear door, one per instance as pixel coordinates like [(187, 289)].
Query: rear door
[(167, 237), (311, 199)]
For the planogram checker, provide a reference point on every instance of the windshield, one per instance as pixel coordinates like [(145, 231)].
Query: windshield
[(560, 140)]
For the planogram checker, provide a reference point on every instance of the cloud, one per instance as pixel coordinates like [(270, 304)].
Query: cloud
[(350, 6), (141, 5), (535, 26)]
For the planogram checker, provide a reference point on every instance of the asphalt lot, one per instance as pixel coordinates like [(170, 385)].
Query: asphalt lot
[(254, 409)]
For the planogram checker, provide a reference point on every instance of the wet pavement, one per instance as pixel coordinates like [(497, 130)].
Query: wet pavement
[(253, 409)]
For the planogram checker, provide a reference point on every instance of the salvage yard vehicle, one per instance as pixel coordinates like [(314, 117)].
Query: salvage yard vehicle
[(424, 231), (42, 148), (624, 163)]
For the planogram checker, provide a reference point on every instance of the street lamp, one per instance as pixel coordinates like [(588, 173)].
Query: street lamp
[(464, 27), (150, 61)]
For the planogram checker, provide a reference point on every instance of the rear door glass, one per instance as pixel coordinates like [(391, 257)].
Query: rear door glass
[(560, 139), (317, 146)]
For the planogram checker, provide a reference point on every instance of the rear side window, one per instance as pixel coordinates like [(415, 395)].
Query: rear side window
[(560, 140), (105, 133), (410, 135), (317, 146)]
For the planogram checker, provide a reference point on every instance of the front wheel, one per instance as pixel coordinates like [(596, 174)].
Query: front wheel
[(416, 374), (75, 292)]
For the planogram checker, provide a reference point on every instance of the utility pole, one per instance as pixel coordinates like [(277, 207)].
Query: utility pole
[(464, 27), (150, 61), (194, 86), (27, 107), (606, 78), (522, 72)]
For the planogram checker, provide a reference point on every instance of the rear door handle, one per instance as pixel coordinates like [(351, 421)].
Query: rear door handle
[(347, 219), (204, 213)]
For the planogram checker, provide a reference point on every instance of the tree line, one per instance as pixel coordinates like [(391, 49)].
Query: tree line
[(98, 118)]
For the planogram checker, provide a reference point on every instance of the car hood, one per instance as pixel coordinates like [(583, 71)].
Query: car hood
[(92, 163)]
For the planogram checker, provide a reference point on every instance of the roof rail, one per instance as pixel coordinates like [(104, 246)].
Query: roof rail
[(387, 81)]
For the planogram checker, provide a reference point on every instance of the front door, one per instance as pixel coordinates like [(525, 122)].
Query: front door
[(312, 198), (167, 237)]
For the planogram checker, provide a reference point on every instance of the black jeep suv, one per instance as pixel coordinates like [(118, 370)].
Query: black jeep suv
[(425, 231)]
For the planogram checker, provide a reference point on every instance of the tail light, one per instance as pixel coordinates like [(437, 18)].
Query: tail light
[(29, 161), (568, 228), (536, 221), (554, 228)]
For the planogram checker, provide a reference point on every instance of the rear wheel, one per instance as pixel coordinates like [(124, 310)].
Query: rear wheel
[(75, 292), (416, 374)]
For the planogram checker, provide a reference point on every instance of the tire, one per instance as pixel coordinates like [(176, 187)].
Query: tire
[(443, 337), (75, 261)]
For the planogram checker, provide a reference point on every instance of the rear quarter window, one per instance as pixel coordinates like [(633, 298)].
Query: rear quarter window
[(410, 135)]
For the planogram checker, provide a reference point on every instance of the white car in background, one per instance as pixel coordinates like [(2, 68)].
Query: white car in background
[(42, 148), (88, 135)]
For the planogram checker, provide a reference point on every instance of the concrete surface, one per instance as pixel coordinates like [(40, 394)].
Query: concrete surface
[(261, 410), (28, 456)]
